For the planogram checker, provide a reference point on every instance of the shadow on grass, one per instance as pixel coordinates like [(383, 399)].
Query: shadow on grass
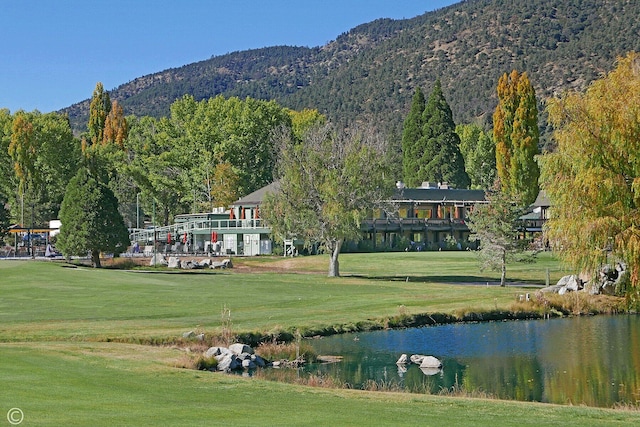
[(454, 280)]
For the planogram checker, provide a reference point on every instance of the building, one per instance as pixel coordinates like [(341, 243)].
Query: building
[(430, 217)]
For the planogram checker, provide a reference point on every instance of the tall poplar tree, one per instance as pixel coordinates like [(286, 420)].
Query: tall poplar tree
[(516, 133), (98, 111), (479, 152), (116, 128), (411, 137)]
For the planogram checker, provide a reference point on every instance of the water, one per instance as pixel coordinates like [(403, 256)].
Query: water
[(593, 361)]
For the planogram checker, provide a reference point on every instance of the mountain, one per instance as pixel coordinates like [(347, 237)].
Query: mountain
[(370, 72)]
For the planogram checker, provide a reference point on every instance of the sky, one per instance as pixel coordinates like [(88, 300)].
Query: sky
[(54, 52)]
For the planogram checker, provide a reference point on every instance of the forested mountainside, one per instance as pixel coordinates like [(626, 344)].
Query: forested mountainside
[(370, 72)]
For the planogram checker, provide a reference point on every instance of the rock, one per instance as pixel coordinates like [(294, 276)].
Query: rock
[(416, 358), (259, 361), (238, 348), (228, 362), (205, 263), (571, 283), (174, 262), (430, 362), (200, 337), (214, 351), (222, 264), (157, 259), (189, 334), (402, 360), (248, 364)]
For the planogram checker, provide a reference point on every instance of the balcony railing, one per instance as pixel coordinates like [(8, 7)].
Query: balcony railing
[(176, 230), (415, 223)]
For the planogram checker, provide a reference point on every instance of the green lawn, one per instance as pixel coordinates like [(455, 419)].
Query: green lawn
[(43, 301), (56, 366)]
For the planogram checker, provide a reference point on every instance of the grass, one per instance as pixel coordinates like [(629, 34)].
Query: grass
[(68, 354), (42, 301), (117, 384)]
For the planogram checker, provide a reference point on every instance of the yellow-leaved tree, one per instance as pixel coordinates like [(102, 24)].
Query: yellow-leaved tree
[(593, 178)]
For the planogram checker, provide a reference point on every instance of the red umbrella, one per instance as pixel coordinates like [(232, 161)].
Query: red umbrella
[(184, 238), (169, 238), (214, 236)]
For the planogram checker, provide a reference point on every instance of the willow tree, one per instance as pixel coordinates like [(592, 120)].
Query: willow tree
[(516, 134), (593, 178), (326, 185)]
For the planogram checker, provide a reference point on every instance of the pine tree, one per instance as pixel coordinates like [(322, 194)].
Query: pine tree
[(411, 135), (440, 158), (90, 219), (516, 133)]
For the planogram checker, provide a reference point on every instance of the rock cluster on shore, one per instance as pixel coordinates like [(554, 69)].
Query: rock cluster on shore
[(192, 264), (607, 281), (236, 356), (429, 365)]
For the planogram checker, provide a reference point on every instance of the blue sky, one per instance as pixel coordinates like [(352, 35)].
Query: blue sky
[(54, 52)]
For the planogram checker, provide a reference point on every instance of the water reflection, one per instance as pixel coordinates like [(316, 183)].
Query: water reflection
[(593, 360)]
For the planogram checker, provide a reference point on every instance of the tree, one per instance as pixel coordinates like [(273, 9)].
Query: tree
[(516, 133), (327, 183), (98, 111), (115, 126), (442, 161), (593, 178), (411, 135), (90, 219), (479, 153), (495, 225), (301, 121), (23, 150), (435, 154), (224, 188), (4, 218)]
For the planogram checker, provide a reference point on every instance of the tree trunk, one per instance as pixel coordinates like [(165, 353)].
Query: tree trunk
[(503, 273), (334, 265), (95, 259)]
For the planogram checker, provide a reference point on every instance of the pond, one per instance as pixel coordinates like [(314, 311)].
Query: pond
[(592, 360)]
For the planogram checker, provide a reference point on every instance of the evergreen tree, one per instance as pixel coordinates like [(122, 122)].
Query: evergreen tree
[(440, 158), (516, 133), (411, 136), (496, 225), (90, 219)]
